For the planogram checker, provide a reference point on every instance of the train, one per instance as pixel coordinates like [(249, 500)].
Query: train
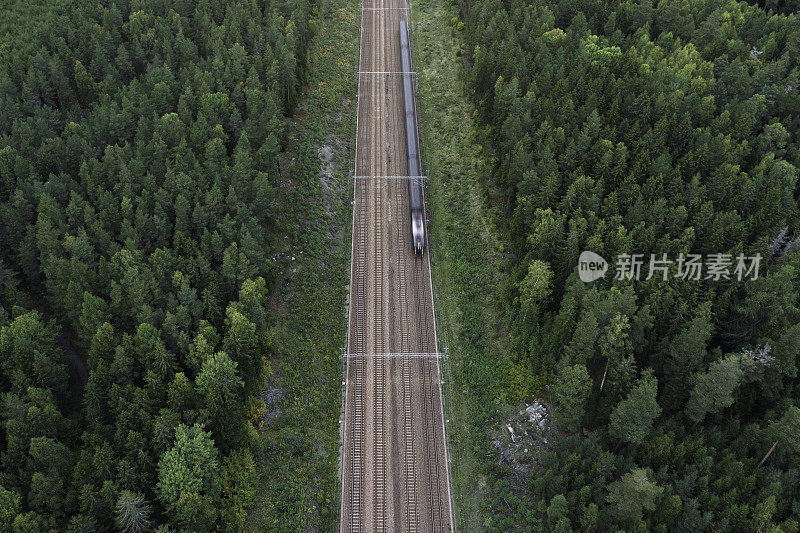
[(415, 199)]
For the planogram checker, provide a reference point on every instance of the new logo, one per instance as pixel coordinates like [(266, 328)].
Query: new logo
[(591, 266)]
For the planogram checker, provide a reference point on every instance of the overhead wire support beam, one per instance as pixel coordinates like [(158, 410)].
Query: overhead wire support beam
[(433, 355), (386, 72), (391, 177)]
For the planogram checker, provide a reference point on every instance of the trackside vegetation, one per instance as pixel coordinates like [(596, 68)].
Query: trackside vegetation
[(627, 127)]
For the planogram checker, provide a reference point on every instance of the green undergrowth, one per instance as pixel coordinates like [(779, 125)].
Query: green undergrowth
[(466, 260), (300, 432)]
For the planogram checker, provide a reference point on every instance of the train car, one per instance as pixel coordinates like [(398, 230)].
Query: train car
[(414, 181)]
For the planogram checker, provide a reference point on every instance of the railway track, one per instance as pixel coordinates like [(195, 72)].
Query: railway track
[(394, 466), (359, 339), (379, 447), (410, 479), (404, 243)]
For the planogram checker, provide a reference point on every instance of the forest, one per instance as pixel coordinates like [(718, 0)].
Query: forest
[(642, 127), (139, 144)]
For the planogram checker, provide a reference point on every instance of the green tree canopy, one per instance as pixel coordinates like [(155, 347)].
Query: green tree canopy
[(189, 467), (633, 417), (633, 494), (571, 390), (713, 390)]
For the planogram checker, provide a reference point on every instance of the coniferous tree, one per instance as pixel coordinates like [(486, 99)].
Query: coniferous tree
[(713, 390), (571, 390), (632, 419)]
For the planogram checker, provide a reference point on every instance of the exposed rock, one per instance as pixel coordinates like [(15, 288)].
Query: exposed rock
[(527, 431)]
